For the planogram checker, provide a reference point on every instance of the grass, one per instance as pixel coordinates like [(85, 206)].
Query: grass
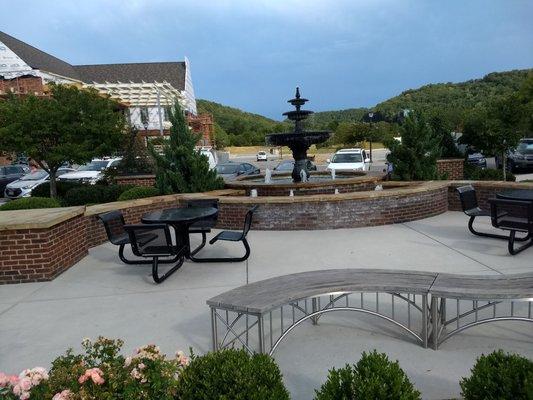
[(252, 150)]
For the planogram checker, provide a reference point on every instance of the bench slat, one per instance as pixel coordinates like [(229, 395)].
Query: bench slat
[(263, 296), (483, 287)]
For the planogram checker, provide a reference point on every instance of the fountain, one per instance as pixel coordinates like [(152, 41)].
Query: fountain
[(299, 140)]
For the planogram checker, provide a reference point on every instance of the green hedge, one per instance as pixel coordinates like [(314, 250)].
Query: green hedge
[(231, 374), (43, 190), (373, 377), (27, 203), (499, 376), (138, 192), (473, 173), (93, 194)]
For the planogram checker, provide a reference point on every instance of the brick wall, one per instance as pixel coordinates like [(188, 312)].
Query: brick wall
[(35, 255), (484, 191), (137, 180), (349, 213), (453, 168), (23, 85)]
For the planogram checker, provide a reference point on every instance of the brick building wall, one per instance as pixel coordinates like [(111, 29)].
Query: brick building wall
[(35, 255), (23, 85), (453, 168)]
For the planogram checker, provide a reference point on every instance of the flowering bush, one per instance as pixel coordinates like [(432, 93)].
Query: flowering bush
[(100, 373)]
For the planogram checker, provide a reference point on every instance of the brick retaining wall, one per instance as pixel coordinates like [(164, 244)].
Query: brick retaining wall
[(35, 255), (334, 214)]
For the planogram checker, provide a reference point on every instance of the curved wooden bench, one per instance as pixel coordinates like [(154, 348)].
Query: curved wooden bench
[(478, 300), (295, 298), (260, 315)]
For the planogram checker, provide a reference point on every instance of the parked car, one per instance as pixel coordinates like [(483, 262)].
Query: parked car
[(288, 166), (10, 173), (262, 156), (231, 170), (92, 172), (476, 158), (23, 187), (519, 158), (349, 160)]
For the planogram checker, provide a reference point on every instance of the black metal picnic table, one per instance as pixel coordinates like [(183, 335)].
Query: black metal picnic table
[(516, 194), (180, 219)]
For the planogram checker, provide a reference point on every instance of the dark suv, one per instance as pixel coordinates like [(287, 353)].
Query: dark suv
[(521, 158), (10, 173)]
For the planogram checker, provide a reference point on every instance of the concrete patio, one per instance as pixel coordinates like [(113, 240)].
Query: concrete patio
[(101, 296)]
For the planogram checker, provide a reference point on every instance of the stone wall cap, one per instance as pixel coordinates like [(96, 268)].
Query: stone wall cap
[(41, 218)]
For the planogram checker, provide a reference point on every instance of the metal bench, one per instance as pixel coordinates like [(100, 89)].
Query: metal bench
[(478, 300), (274, 307), (260, 315)]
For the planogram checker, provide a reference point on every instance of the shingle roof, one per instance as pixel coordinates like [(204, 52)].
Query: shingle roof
[(172, 72), (38, 59)]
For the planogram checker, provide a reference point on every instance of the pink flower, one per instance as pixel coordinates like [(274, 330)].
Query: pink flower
[(13, 380), (141, 366), (25, 396), (95, 374), (127, 361), (25, 384), (64, 395), (4, 380)]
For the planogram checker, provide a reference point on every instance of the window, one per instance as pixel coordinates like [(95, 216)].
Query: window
[(145, 117), (347, 158), (13, 170), (166, 113)]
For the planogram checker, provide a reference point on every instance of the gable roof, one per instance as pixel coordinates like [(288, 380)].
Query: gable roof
[(172, 72), (38, 59)]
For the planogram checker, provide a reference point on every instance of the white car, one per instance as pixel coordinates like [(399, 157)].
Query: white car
[(262, 156), (23, 187), (349, 160), (92, 172)]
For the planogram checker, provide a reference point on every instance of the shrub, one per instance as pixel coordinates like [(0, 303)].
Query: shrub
[(499, 376), (138, 192), (101, 372), (27, 203), (93, 194), (43, 190), (373, 377), (232, 374), (474, 173)]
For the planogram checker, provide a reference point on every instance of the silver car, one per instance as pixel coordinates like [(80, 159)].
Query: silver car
[(24, 186)]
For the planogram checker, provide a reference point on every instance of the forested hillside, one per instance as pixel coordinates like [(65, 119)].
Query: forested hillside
[(234, 127), (449, 100), (453, 98)]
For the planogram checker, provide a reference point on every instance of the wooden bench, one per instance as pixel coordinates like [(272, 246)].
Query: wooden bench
[(260, 315), (478, 300)]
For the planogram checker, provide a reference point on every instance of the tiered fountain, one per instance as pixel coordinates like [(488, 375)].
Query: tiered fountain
[(299, 140)]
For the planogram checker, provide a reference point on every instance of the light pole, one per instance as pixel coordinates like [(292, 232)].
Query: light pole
[(370, 116)]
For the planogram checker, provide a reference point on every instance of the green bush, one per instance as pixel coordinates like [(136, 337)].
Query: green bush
[(499, 376), (27, 203), (373, 377), (471, 172), (93, 194), (231, 374), (43, 190), (138, 192)]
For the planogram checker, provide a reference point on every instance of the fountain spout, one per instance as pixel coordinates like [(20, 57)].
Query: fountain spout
[(268, 176)]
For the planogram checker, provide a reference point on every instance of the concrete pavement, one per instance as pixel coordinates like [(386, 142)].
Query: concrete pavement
[(100, 296)]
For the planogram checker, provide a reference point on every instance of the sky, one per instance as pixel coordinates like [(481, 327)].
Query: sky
[(251, 54)]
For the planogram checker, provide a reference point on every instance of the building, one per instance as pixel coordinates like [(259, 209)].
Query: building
[(148, 90)]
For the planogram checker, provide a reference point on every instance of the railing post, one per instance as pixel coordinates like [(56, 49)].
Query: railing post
[(435, 321), (425, 320), (261, 331), (314, 309)]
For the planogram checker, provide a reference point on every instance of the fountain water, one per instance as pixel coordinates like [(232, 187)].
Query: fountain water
[(268, 175), (299, 140)]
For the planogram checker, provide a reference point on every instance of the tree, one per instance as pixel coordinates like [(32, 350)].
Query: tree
[(71, 125), (415, 157), (497, 129), (442, 128), (181, 168)]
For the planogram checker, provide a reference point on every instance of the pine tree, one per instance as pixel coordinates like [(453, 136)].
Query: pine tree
[(415, 158), (181, 168)]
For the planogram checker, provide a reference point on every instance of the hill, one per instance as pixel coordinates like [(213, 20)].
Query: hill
[(239, 128), (330, 119), (453, 98)]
